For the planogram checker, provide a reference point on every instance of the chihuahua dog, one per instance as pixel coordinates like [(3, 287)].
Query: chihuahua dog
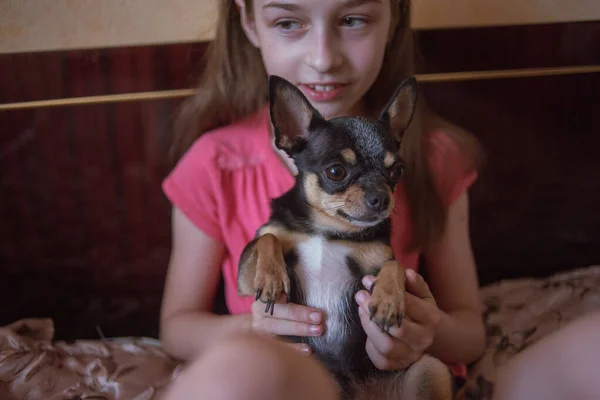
[(333, 228)]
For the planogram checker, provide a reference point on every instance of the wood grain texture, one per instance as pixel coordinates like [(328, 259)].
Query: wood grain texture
[(515, 47), (84, 217), (67, 74)]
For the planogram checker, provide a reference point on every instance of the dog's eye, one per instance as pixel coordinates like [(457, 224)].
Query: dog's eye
[(335, 173), (396, 172)]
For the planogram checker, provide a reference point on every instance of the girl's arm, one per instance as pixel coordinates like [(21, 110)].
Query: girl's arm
[(187, 324), (452, 279)]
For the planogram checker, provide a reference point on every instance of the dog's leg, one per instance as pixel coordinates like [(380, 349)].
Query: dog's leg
[(427, 379), (387, 296), (262, 271)]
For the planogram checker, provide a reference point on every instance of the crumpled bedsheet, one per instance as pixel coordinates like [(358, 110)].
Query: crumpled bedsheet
[(520, 312), (517, 314), (33, 367)]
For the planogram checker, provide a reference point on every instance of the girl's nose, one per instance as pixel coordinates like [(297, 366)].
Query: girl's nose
[(324, 53)]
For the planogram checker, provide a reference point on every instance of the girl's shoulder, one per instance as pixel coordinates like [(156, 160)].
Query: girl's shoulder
[(453, 161), (241, 143), (203, 182)]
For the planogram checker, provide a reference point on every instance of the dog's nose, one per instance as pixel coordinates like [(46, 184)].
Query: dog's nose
[(377, 200)]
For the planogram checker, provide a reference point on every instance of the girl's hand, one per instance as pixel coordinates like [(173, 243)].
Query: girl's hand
[(405, 345), (288, 319)]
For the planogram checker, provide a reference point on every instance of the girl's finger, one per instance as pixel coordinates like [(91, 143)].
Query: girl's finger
[(382, 362), (385, 343), (285, 327), (413, 335), (419, 310), (362, 298), (289, 311), (300, 347), (416, 285)]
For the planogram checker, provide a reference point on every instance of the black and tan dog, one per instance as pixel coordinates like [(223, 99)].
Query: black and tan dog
[(331, 229)]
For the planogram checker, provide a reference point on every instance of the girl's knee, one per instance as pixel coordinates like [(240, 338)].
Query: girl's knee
[(252, 367)]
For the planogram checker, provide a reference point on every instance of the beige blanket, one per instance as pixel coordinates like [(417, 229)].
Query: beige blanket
[(32, 366), (520, 312)]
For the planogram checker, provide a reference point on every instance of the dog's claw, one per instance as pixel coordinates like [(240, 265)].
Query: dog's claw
[(270, 305), (258, 293)]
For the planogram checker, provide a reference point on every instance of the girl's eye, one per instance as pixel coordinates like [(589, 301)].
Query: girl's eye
[(287, 25), (396, 172), (352, 22), (335, 173)]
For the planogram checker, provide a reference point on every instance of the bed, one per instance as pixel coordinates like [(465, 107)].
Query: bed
[(517, 313)]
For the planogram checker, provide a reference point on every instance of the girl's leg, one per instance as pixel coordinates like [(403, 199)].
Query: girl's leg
[(563, 365), (252, 367)]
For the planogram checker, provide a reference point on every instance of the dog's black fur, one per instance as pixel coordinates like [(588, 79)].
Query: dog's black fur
[(333, 228)]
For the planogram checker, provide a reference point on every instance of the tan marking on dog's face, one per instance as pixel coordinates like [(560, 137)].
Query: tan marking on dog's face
[(314, 194), (349, 156), (389, 159), (392, 202), (350, 201), (326, 206)]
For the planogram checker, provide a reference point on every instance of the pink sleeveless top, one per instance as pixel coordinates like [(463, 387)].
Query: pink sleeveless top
[(226, 180)]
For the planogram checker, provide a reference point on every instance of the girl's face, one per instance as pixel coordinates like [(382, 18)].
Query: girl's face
[(331, 49)]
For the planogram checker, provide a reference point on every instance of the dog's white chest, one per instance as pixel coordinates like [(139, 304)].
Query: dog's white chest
[(325, 279), (321, 257)]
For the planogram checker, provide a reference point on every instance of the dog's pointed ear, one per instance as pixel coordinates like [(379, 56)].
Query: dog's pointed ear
[(292, 115), (398, 113)]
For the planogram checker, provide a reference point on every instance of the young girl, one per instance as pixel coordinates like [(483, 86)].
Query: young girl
[(347, 56)]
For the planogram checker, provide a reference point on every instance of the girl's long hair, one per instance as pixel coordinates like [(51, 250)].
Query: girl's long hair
[(233, 85)]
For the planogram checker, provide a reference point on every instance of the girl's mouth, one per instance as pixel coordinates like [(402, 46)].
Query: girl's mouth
[(323, 91)]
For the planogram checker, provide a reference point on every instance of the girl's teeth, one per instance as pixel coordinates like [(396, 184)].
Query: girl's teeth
[(322, 88)]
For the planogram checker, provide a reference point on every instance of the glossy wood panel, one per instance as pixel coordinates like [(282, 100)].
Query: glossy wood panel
[(498, 48), (534, 209), (85, 222), (66, 74)]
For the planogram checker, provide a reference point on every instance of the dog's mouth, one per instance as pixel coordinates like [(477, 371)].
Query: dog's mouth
[(364, 220)]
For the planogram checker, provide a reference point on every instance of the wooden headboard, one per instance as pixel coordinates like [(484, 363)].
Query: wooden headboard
[(85, 234)]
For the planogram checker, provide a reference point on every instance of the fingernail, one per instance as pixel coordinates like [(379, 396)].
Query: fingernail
[(360, 297), (315, 316), (367, 281), (305, 349), (315, 329), (410, 274)]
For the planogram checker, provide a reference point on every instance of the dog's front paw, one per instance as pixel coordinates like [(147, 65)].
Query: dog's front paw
[(387, 304), (270, 282)]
